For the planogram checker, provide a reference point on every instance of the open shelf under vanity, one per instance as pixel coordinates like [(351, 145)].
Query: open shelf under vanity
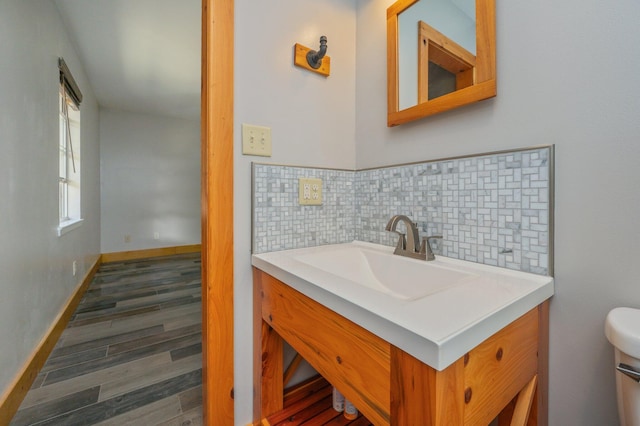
[(310, 404)]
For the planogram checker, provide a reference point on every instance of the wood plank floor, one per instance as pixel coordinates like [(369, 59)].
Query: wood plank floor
[(132, 352)]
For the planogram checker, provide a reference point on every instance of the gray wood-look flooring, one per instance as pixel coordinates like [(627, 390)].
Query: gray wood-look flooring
[(131, 354)]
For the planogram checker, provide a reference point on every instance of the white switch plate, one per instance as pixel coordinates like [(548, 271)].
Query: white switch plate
[(310, 191), (256, 140)]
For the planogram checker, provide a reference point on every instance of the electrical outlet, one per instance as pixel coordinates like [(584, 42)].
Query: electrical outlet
[(256, 140), (127, 238), (310, 191), (74, 267), (156, 235)]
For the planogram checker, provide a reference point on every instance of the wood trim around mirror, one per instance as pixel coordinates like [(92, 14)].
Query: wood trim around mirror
[(484, 86)]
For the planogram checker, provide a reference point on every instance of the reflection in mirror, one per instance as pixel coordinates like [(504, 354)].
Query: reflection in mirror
[(449, 60), (440, 55), (445, 22), (439, 81)]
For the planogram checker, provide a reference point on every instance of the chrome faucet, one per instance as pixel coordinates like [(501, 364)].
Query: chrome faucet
[(409, 245)]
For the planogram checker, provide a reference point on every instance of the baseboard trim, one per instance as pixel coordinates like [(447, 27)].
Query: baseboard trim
[(12, 398), (154, 252)]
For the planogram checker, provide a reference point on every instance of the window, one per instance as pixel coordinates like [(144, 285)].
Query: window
[(69, 152)]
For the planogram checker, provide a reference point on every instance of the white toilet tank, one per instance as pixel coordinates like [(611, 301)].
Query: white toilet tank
[(622, 328)]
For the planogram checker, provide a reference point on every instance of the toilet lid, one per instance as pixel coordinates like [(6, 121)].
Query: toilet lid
[(622, 328)]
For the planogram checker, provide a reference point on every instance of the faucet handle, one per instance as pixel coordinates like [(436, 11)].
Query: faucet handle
[(402, 243), (425, 247)]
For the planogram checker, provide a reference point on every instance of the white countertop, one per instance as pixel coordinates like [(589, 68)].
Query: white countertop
[(438, 328)]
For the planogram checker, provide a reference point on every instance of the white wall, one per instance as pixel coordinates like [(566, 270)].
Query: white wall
[(35, 264), (312, 120), (567, 75), (150, 180)]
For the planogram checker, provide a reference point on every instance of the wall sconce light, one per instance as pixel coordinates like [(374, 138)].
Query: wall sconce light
[(313, 60)]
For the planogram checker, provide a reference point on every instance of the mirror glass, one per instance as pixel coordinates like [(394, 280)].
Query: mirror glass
[(455, 20), (440, 54)]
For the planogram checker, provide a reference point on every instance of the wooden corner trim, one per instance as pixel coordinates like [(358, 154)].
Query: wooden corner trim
[(154, 252), (12, 398)]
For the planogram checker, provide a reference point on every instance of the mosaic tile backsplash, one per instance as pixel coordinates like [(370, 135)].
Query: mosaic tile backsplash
[(491, 209), (280, 223)]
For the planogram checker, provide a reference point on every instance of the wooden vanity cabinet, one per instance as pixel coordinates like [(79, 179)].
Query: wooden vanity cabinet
[(505, 376)]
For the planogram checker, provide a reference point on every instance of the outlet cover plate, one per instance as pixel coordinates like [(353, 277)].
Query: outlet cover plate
[(310, 191), (256, 140)]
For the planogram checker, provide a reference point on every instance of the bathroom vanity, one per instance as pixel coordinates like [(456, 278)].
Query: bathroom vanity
[(408, 342)]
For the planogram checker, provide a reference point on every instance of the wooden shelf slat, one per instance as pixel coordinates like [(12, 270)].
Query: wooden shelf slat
[(323, 417), (307, 412), (293, 409), (304, 389), (310, 404)]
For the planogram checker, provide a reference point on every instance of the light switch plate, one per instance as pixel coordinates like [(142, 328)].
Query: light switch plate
[(310, 191), (256, 140)]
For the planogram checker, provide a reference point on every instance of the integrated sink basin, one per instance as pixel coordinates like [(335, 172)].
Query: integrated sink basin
[(434, 310), (396, 276)]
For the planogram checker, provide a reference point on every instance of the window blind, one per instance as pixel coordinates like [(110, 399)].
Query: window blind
[(69, 83)]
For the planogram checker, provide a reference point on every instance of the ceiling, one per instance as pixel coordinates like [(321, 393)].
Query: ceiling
[(139, 55)]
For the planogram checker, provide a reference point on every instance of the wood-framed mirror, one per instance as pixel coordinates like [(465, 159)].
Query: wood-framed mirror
[(441, 54)]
